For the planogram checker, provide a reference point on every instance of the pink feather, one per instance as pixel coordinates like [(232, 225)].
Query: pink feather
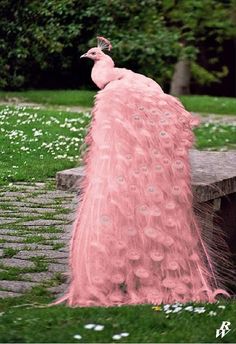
[(136, 227)]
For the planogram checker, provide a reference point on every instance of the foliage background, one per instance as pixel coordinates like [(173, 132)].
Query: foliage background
[(41, 41)]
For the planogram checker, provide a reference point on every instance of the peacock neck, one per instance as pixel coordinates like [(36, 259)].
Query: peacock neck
[(103, 72)]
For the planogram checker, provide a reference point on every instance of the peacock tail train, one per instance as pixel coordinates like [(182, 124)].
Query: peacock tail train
[(136, 236)]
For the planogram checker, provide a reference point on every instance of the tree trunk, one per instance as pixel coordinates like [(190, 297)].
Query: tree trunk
[(180, 83)]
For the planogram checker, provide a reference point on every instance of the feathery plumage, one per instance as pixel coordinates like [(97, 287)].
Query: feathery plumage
[(136, 238)]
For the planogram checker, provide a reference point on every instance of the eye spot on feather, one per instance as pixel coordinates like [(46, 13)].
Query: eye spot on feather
[(176, 190), (159, 168), (128, 156), (178, 165), (173, 265), (167, 143), (143, 209), (155, 211), (170, 222), (168, 241), (167, 114), (136, 117), (134, 255), (163, 121), (105, 219), (151, 122), (133, 187), (156, 256), (168, 283), (144, 168), (141, 108), (163, 134), (120, 179), (120, 245), (170, 205), (150, 232), (166, 161), (181, 151), (156, 152), (136, 171), (141, 272), (131, 231), (151, 189)]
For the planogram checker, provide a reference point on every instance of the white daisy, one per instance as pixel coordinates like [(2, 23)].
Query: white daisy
[(99, 327), (77, 336), (116, 336), (124, 334), (89, 326), (212, 313)]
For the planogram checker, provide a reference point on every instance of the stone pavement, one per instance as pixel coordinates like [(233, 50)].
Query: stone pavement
[(217, 119), (35, 228)]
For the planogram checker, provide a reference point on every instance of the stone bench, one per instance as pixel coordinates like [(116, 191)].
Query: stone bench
[(213, 183)]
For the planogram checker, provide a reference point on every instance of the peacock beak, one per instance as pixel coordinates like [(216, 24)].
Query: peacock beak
[(84, 55)]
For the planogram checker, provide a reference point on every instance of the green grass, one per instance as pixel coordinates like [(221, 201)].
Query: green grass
[(215, 136), (9, 252), (35, 144), (22, 320), (210, 104), (53, 97)]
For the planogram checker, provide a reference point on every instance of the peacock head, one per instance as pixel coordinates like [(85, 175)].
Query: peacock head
[(96, 53)]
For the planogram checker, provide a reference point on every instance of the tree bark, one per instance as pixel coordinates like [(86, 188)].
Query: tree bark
[(180, 83)]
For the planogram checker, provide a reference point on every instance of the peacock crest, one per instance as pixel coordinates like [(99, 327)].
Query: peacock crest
[(103, 43)]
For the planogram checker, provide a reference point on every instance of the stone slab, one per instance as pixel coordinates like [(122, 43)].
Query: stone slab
[(47, 253), (53, 267), (12, 238), (31, 246), (16, 286), (37, 276), (16, 263), (5, 220), (37, 211), (213, 175), (42, 222)]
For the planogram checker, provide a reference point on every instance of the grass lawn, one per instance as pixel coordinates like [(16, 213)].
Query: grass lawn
[(201, 104), (21, 321), (53, 97), (209, 104), (36, 143)]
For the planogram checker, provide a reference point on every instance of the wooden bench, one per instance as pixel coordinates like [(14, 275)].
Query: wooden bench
[(213, 182)]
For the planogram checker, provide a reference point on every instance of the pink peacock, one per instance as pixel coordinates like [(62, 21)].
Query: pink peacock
[(136, 238)]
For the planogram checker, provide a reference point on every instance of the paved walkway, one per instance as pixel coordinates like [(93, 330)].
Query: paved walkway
[(35, 227)]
